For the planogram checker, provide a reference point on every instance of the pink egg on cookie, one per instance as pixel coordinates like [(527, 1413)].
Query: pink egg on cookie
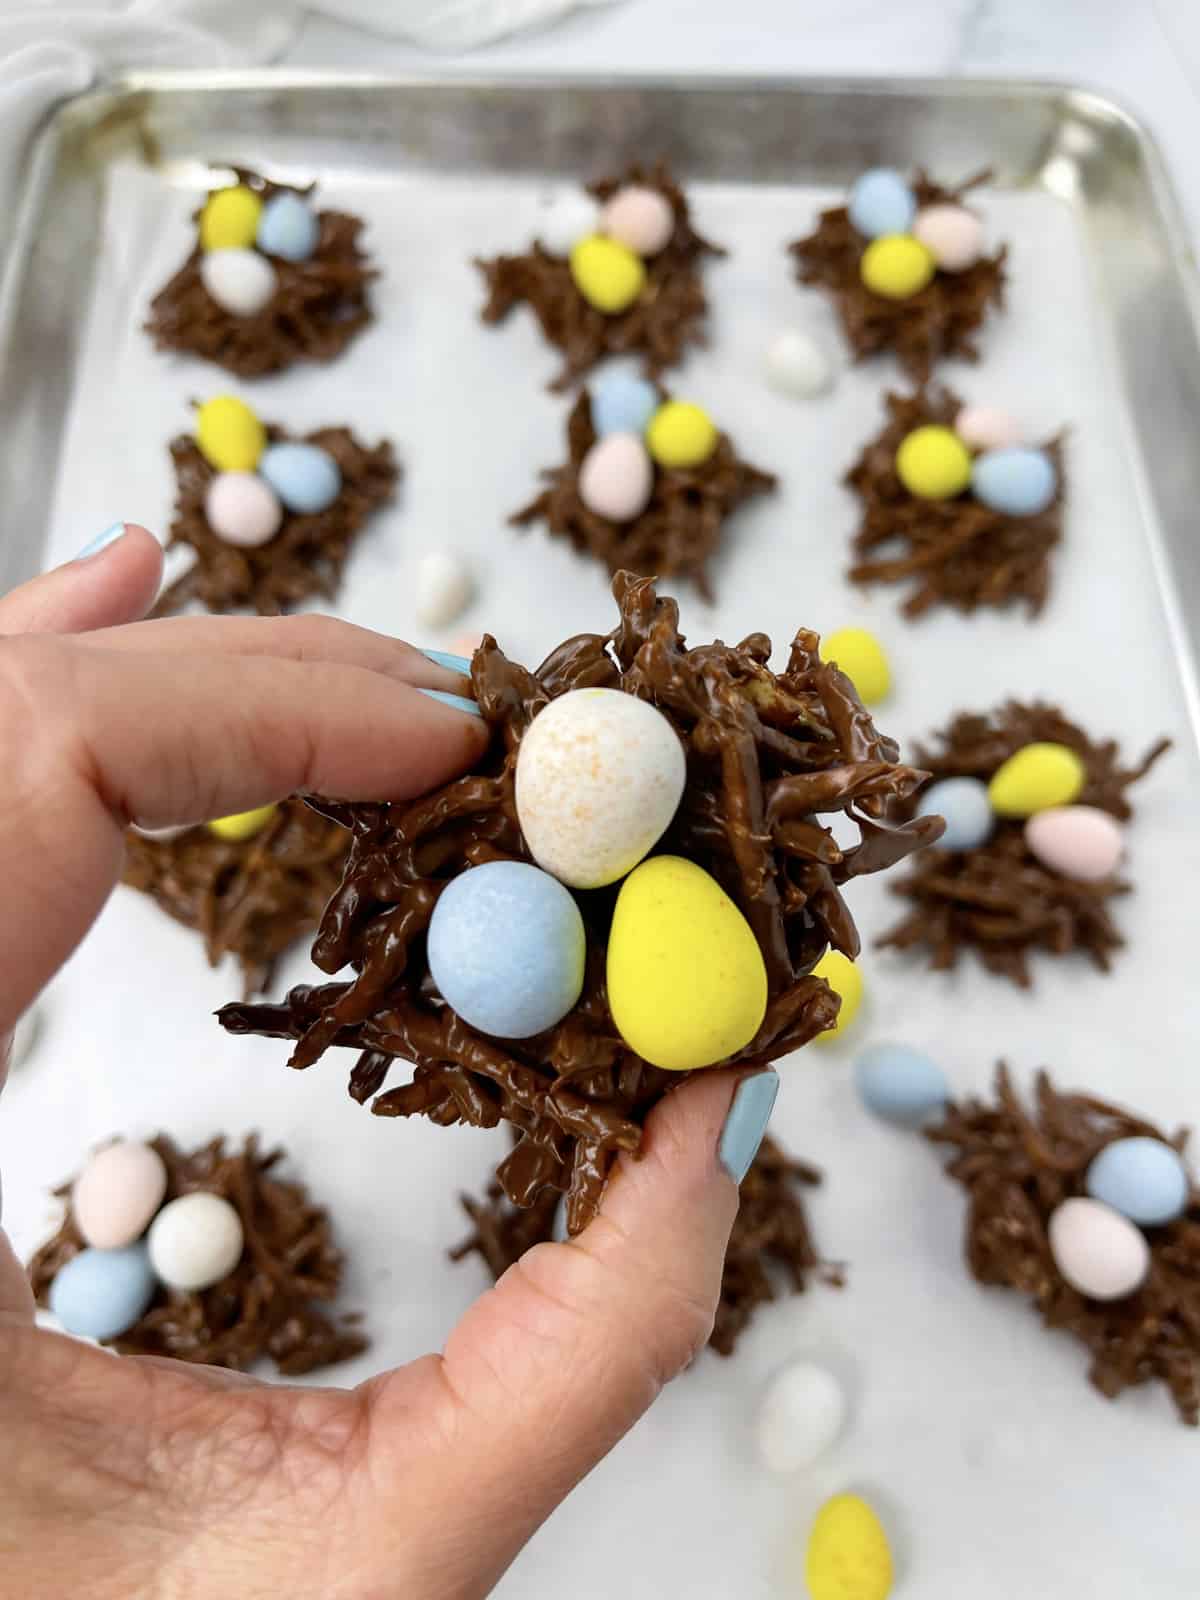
[(952, 235), (242, 509), (639, 218), (116, 1195), (987, 428), (1080, 842), (616, 477)]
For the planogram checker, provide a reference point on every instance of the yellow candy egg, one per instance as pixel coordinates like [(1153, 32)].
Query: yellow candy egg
[(687, 985), (860, 656), (1037, 777), (848, 1556), (242, 824), (680, 434), (897, 266), (933, 463), (607, 274), (229, 220), (230, 436), (846, 980)]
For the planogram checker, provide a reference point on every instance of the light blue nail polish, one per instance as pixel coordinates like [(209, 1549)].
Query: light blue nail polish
[(457, 702), (102, 541), (443, 658), (747, 1122)]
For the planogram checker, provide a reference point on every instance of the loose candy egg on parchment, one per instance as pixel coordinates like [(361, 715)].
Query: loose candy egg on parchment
[(288, 227), (900, 1084), (848, 1557), (616, 477), (443, 588), (800, 1416), (639, 217), (242, 282), (1098, 1251), (1144, 1179), (195, 1241), (115, 1197), (306, 478), (797, 364), (569, 217), (1080, 842), (966, 809), (243, 509), (100, 1294)]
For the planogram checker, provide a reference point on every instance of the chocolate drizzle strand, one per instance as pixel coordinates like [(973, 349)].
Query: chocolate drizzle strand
[(942, 320), (1017, 1165), (665, 319), (273, 1304), (766, 754), (956, 552), (999, 899)]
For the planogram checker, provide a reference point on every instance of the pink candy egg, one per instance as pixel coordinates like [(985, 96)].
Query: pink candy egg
[(986, 428), (116, 1195), (242, 509), (1080, 842), (952, 235), (640, 218), (1097, 1250), (616, 477)]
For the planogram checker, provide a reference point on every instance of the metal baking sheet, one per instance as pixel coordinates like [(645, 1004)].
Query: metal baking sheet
[(996, 1468)]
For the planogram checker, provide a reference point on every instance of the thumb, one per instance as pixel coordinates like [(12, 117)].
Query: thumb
[(114, 579)]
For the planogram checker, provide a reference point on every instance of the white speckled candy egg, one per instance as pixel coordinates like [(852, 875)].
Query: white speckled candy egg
[(640, 218), (288, 227), (1142, 1178), (600, 774), (800, 1415), (242, 282), (116, 1195), (306, 478), (797, 365), (196, 1241), (242, 509), (900, 1084), (1081, 842), (968, 812), (1097, 1250), (616, 477), (987, 428), (100, 1294), (443, 589), (952, 235), (570, 216)]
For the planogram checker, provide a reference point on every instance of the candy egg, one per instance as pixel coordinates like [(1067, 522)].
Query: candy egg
[(443, 588), (639, 217), (507, 949), (952, 235), (242, 825), (622, 403), (306, 478), (616, 477), (1142, 1178), (964, 803), (1098, 1251), (987, 428), (196, 1241), (900, 1084), (860, 656), (687, 985), (1081, 842), (933, 463), (881, 202), (681, 435), (1018, 482), (846, 981), (800, 1415), (607, 274), (242, 509), (896, 267), (1035, 778), (117, 1193), (600, 775), (171, 831), (100, 1294), (848, 1556), (229, 220), (288, 227), (570, 217), (240, 281), (797, 365), (228, 434)]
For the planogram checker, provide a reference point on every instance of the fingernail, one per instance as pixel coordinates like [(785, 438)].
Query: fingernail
[(443, 658), (456, 702), (747, 1122), (102, 541)]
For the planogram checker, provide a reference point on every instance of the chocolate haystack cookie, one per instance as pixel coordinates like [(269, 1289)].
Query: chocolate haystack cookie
[(937, 321), (314, 308), (270, 1305), (1017, 1167), (998, 898), (303, 560), (249, 898), (681, 526), (665, 318), (765, 754), (771, 1238), (955, 552)]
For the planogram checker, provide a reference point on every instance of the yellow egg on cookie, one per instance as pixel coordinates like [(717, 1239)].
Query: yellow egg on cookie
[(680, 434), (933, 463), (860, 656), (897, 266), (1036, 777), (242, 825), (229, 435), (607, 274), (848, 1557), (229, 220), (687, 985), (845, 978)]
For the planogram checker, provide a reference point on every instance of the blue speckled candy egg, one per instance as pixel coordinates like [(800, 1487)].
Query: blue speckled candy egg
[(622, 403), (305, 477), (1017, 481), (968, 812), (1144, 1179), (101, 1293), (506, 949), (288, 227), (900, 1084), (881, 202)]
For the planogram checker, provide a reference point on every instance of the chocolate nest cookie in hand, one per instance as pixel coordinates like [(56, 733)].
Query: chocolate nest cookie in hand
[(615, 271), (954, 503), (1029, 858), (657, 508), (905, 267), (270, 281), (252, 889), (570, 1015)]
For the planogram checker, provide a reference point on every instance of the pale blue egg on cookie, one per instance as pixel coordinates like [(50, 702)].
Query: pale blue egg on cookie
[(1142, 1178), (622, 403), (1016, 481), (964, 803), (100, 1294), (288, 227), (306, 478), (881, 202)]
